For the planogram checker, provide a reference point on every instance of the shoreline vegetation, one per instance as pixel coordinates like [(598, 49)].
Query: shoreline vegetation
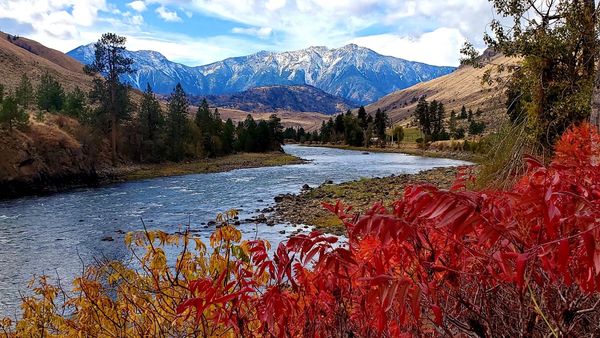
[(305, 208)]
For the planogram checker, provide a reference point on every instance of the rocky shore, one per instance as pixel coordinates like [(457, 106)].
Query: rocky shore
[(306, 208)]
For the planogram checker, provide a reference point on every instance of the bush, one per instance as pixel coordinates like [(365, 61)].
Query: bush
[(516, 262)]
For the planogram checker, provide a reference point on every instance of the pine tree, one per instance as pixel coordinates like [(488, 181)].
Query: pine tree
[(12, 114), (228, 137), (204, 121), (463, 113), (50, 94), (250, 134), (423, 117), (452, 123), (110, 62), (438, 113), (362, 117), (24, 93), (75, 103), (1, 93), (177, 122), (150, 115), (275, 133), (380, 124)]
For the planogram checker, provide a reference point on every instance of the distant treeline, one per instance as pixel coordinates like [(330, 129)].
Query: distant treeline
[(357, 130)]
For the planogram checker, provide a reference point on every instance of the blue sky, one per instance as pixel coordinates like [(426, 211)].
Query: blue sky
[(197, 32)]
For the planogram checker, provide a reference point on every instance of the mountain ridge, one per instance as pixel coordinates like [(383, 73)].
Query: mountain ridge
[(352, 72), (298, 98)]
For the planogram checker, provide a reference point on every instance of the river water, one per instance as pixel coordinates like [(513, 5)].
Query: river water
[(55, 234)]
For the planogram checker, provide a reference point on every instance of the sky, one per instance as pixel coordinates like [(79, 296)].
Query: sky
[(197, 32)]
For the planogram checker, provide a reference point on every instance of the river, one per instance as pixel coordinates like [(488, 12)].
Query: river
[(54, 234)]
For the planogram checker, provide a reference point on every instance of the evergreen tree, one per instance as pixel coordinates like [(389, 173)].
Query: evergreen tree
[(290, 134), (75, 103), (476, 128), (275, 133), (100, 97), (261, 137), (50, 94), (205, 122), (380, 124), (1, 93), (354, 135), (228, 137), (110, 62), (463, 113), (24, 93), (339, 124), (423, 117), (150, 117), (439, 133), (12, 114), (177, 127), (452, 124), (362, 117), (301, 135), (470, 115)]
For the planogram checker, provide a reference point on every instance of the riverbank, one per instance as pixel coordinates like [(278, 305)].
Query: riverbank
[(410, 149), (306, 207), (210, 165), (47, 184)]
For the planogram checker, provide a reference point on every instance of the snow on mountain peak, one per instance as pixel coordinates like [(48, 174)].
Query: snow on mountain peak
[(353, 72)]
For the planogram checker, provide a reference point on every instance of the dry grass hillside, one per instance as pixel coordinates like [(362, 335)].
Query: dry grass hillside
[(23, 56), (308, 120), (462, 87)]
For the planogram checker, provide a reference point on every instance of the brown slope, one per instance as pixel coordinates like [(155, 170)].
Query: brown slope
[(310, 121), (461, 87), (24, 56)]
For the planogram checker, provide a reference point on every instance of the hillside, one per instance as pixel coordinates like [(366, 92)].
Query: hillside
[(23, 56), (310, 121), (302, 98), (461, 87), (355, 73)]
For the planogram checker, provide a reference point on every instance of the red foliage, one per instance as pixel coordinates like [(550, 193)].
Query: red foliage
[(524, 261)]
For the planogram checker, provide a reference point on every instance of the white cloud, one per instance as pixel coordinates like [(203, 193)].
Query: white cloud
[(56, 23), (136, 20), (274, 5), (167, 15), (261, 32), (440, 47), (303, 23), (138, 5), (403, 27)]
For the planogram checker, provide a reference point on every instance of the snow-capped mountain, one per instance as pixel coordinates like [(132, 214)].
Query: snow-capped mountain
[(352, 72)]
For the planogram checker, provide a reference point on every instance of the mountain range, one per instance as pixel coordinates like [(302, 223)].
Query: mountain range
[(354, 73), (296, 98)]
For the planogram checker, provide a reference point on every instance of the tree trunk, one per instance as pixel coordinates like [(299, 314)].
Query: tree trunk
[(113, 123), (589, 53), (595, 115)]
